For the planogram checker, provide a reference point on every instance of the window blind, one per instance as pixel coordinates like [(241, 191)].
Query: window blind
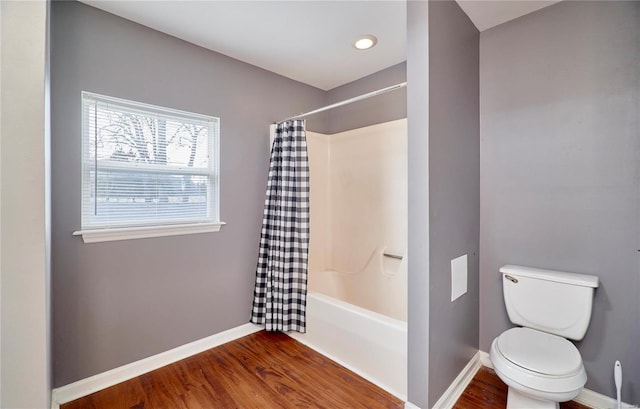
[(145, 165)]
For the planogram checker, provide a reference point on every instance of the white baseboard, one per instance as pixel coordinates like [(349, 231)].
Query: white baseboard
[(587, 397), (84, 387), (114, 376), (459, 384), (453, 392), (484, 359), (597, 400)]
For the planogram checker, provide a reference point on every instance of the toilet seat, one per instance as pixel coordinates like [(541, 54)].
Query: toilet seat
[(539, 352), (524, 357)]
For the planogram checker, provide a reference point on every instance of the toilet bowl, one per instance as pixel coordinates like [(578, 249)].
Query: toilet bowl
[(538, 363), (540, 369)]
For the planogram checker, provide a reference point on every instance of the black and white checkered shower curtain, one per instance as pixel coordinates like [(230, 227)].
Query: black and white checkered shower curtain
[(280, 294)]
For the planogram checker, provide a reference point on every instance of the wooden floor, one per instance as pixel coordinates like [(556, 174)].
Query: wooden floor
[(487, 391), (268, 371), (262, 370)]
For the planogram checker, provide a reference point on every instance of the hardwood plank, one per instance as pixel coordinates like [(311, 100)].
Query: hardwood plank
[(487, 391), (262, 370), (270, 370)]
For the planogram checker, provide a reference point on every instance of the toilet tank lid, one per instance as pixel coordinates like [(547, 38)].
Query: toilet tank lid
[(584, 280)]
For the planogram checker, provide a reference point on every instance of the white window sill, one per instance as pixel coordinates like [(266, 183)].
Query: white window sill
[(127, 233)]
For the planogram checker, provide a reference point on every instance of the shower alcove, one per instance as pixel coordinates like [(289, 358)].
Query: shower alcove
[(357, 302), (358, 232)]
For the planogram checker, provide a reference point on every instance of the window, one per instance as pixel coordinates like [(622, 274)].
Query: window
[(146, 170)]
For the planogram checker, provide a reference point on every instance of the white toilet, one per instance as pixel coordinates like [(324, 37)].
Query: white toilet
[(537, 362)]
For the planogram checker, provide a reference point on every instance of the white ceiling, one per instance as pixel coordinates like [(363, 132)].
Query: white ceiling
[(308, 41)]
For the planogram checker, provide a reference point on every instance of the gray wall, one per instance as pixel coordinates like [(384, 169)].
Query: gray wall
[(383, 108), (454, 190), (418, 183), (560, 168), (118, 302), (444, 193)]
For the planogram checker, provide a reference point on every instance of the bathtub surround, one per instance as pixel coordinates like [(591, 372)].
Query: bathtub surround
[(560, 175), (359, 213), (280, 294)]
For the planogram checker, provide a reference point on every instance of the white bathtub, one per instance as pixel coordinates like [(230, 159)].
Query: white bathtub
[(370, 344)]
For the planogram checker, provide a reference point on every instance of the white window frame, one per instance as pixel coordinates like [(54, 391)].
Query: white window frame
[(99, 232)]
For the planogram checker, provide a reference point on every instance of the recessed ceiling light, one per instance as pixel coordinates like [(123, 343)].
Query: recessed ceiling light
[(364, 42)]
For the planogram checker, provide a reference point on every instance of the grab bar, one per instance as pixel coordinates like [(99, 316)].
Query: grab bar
[(397, 257)]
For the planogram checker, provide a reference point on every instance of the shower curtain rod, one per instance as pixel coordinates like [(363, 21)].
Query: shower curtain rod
[(349, 101)]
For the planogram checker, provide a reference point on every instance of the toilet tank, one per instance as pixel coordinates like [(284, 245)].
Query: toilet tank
[(556, 302)]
